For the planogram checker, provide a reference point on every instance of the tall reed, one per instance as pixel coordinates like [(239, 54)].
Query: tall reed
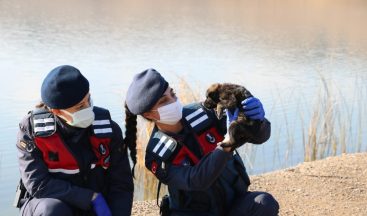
[(331, 130)]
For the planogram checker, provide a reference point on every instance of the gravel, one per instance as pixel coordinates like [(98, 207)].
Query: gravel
[(332, 186)]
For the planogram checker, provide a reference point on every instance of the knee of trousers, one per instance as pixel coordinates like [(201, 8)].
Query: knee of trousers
[(53, 207), (267, 202)]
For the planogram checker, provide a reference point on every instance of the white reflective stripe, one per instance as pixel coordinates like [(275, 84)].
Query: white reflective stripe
[(166, 146), (92, 166), (41, 121), (41, 129), (199, 120), (66, 171), (163, 138), (102, 122), (192, 115), (102, 130)]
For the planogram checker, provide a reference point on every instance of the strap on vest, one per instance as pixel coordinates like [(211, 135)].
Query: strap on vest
[(21, 195), (102, 126), (164, 209), (158, 191), (197, 117)]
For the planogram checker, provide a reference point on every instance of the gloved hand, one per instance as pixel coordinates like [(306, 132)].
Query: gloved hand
[(100, 206), (230, 118), (253, 108)]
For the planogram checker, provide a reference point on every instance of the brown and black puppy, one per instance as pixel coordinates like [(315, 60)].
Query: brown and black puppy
[(229, 96)]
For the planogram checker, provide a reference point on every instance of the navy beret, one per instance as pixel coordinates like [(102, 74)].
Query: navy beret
[(64, 87), (145, 90)]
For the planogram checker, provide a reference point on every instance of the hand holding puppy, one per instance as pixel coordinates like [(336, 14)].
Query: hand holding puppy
[(253, 108)]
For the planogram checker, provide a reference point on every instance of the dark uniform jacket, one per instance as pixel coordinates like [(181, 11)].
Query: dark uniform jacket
[(76, 189), (202, 179)]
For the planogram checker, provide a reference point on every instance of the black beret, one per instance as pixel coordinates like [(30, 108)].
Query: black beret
[(64, 87), (145, 90)]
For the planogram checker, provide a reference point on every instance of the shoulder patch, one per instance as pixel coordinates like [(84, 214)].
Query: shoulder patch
[(102, 125), (28, 146), (43, 123), (161, 145), (23, 144), (196, 116)]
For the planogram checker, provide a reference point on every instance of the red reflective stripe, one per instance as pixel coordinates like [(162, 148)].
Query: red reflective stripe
[(179, 157), (193, 158), (184, 151), (205, 145), (66, 160), (54, 144)]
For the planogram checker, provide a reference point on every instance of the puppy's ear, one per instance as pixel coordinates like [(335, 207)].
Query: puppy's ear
[(212, 96), (213, 92)]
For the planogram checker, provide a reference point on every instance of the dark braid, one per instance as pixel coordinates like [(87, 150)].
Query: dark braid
[(130, 135)]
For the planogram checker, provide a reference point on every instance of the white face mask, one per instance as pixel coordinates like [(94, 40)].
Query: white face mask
[(82, 118), (171, 113)]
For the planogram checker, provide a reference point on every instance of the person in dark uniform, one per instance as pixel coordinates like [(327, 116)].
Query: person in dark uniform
[(72, 157), (184, 151)]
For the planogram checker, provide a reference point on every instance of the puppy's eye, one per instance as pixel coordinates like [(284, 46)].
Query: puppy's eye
[(213, 96)]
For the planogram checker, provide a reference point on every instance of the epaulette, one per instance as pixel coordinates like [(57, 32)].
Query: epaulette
[(197, 117), (102, 126), (43, 123), (161, 145)]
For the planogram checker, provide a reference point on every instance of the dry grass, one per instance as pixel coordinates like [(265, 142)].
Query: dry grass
[(331, 126)]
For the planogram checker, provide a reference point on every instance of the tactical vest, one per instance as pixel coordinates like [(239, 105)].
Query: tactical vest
[(207, 135), (56, 154)]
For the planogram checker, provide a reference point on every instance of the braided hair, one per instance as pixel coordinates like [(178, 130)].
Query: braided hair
[(130, 134)]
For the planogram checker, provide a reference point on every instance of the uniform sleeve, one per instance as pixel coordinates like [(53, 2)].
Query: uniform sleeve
[(198, 177), (120, 180), (36, 178)]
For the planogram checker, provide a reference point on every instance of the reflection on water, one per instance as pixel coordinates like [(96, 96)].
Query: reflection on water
[(278, 49)]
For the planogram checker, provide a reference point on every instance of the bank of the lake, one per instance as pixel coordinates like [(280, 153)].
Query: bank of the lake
[(333, 186)]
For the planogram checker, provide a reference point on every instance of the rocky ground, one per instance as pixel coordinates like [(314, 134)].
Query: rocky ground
[(333, 186)]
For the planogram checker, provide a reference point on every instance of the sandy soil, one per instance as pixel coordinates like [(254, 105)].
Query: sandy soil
[(333, 186)]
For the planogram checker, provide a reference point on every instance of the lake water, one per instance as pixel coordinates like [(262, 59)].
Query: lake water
[(280, 50)]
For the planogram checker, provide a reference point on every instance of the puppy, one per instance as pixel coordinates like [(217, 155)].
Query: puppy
[(229, 96)]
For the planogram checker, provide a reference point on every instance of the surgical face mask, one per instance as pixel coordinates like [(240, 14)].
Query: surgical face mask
[(82, 118), (171, 113)]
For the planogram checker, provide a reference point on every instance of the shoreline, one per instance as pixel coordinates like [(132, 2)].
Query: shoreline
[(331, 186)]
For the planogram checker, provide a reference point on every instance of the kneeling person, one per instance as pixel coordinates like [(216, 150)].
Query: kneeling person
[(184, 152), (72, 158)]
